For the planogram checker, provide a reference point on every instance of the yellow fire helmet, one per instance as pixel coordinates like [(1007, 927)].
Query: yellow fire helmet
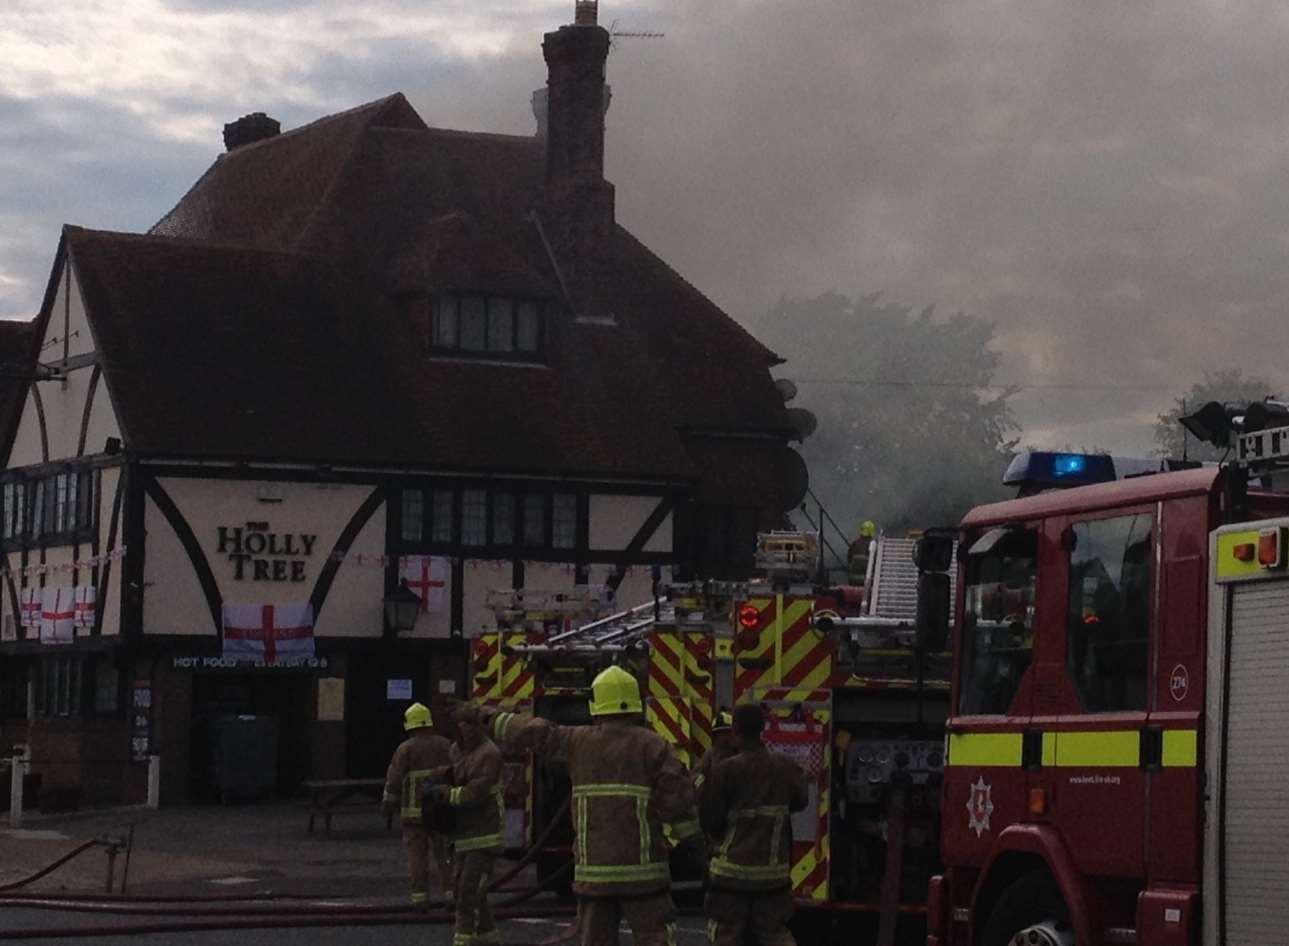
[(868, 529), (613, 692), (417, 716), (724, 720)]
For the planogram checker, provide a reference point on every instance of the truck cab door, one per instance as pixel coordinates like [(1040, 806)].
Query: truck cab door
[(985, 781), (1098, 746)]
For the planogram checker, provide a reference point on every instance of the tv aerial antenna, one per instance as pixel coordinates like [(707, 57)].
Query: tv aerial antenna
[(615, 34)]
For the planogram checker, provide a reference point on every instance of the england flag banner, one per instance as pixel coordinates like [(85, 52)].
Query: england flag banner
[(268, 634), (30, 608), (427, 575), (84, 607), (57, 615)]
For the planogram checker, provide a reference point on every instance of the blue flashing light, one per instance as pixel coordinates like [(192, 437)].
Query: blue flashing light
[(1034, 470), (1069, 464)]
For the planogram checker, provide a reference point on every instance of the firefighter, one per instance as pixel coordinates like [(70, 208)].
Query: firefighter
[(748, 801), (858, 552), (627, 784), (723, 746), (416, 758), (477, 797)]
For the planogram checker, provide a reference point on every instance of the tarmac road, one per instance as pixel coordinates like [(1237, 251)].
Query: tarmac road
[(205, 851), (533, 932)]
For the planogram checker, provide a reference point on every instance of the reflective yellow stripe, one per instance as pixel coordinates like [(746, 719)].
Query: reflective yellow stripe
[(581, 830), (1181, 748), (1116, 748), (500, 725), (412, 793), (779, 818), (610, 790), (646, 841), (620, 874), (454, 796), (680, 830), (1119, 748), (985, 748), (477, 843), (724, 868), (1049, 748)]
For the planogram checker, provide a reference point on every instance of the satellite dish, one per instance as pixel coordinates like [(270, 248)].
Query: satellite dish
[(786, 388), (794, 477), (802, 421)]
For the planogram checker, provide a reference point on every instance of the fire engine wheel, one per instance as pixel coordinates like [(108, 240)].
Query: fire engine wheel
[(1029, 913)]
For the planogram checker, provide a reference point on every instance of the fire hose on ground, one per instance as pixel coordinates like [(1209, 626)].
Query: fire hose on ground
[(186, 908), (7, 895), (192, 917), (50, 868)]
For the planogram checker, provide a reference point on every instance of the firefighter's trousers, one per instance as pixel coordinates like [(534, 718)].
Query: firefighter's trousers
[(735, 917), (422, 847), (652, 919), (472, 873)]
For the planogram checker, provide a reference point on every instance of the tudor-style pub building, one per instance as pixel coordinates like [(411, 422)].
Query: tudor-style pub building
[(359, 352)]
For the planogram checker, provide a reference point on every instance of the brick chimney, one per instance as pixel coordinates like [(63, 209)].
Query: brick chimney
[(577, 204), (576, 98), (249, 129)]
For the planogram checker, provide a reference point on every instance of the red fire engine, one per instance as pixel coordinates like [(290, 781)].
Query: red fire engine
[(851, 697), (1116, 745)]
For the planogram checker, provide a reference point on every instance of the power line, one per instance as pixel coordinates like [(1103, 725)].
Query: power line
[(1016, 386)]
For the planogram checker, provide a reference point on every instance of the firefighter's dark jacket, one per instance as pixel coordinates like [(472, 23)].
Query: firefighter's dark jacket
[(747, 802), (419, 755), (627, 784), (478, 797)]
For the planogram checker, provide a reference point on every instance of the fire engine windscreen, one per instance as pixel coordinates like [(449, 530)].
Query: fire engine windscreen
[(998, 619)]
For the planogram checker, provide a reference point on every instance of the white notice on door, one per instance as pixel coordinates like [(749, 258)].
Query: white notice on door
[(398, 689)]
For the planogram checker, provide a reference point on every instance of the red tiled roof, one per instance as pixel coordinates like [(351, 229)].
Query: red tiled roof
[(260, 317)]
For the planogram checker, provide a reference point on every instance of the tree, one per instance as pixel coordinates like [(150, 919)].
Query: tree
[(1228, 385), (912, 430)]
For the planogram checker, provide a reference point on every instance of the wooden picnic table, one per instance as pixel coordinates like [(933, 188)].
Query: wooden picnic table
[(329, 797)]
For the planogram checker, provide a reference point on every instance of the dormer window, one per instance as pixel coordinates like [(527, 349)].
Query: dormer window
[(475, 325)]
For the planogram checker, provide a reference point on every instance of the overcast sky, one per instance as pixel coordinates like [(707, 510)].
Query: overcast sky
[(1104, 180)]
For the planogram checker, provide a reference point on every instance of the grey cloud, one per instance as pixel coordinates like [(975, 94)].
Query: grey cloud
[(1104, 180), (73, 161)]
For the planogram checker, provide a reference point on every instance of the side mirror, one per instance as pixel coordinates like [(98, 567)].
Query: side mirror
[(933, 612), (934, 552)]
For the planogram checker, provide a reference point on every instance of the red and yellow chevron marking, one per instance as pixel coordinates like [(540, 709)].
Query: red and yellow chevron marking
[(665, 706), (666, 665), (500, 677), (782, 650), (806, 738), (670, 719), (485, 666), (700, 686)]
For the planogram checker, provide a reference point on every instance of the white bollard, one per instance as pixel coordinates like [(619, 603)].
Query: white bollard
[(154, 781), (16, 773)]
